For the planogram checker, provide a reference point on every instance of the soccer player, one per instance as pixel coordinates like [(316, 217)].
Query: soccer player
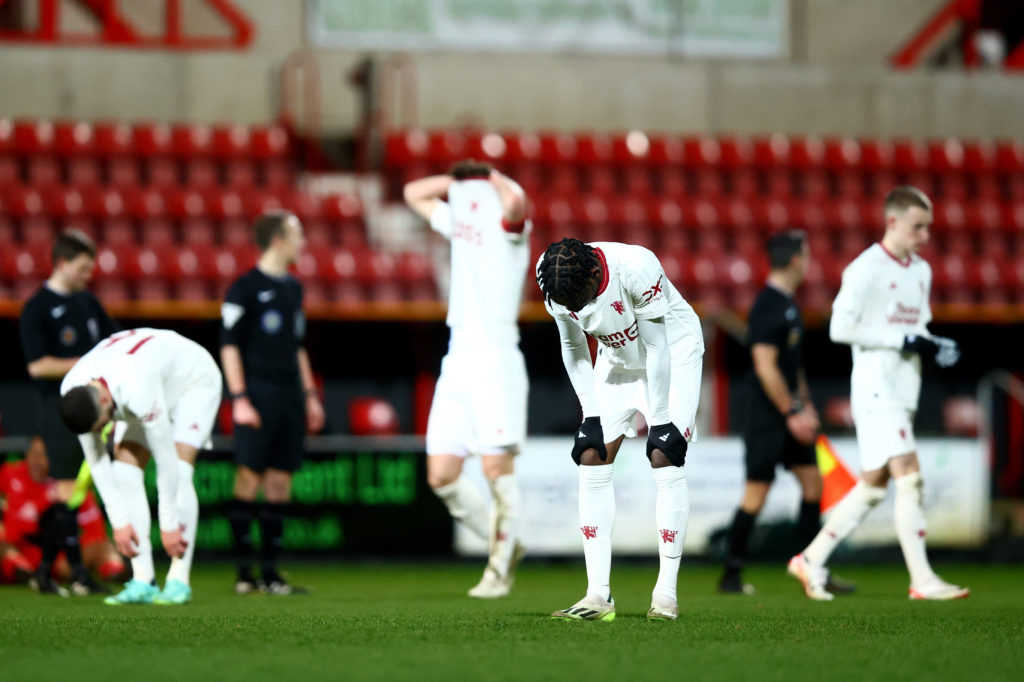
[(781, 422), (882, 311), (648, 361), (274, 399), (162, 390), (27, 499), (59, 324), (479, 403)]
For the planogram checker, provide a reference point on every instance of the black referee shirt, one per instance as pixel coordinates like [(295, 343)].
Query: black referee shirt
[(775, 319), (262, 315), (62, 327)]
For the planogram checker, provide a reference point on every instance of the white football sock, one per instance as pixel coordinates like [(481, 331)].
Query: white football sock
[(504, 522), (466, 505), (188, 516), (910, 527), (597, 516), (841, 522), (672, 510), (131, 487)]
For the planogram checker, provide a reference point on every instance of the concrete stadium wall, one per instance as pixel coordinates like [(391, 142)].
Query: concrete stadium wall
[(836, 83)]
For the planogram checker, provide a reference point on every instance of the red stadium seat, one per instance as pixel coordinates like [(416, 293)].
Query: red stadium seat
[(162, 171), (10, 170), (240, 174), (779, 183), (632, 149), (806, 152), (117, 232), (231, 142), (152, 139), (201, 173), (269, 142), (1010, 156), (638, 182), (979, 156), (877, 155), (33, 137), (447, 146), (277, 175), (594, 148), (66, 202), (709, 183), (702, 151), (744, 183), (83, 172), (674, 182), (234, 233), (157, 232), (850, 184), (146, 203), (771, 152), (112, 292), (21, 201), (306, 206), (949, 216), (557, 148), (198, 231), (188, 203), (736, 214), (910, 155), (38, 232), (343, 208), (74, 138), (735, 151), (372, 416), (192, 289), (600, 180), (946, 155), (152, 290), (986, 186), (669, 151), (318, 235), (952, 185), (43, 172), (113, 140)]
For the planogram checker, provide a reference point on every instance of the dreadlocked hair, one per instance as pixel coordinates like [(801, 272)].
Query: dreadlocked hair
[(565, 273)]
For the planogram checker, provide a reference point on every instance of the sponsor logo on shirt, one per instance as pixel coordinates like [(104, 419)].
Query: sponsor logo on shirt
[(653, 293), (265, 295), (620, 339), (903, 314), (58, 311), (467, 233)]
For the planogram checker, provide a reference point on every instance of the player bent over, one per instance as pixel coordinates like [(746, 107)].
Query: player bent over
[(649, 361), (162, 390), (480, 400), (882, 311)]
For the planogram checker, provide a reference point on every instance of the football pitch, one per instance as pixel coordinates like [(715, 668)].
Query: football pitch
[(413, 622)]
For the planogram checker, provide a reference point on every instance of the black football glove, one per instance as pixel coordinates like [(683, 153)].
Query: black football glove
[(944, 351), (666, 437), (589, 435)]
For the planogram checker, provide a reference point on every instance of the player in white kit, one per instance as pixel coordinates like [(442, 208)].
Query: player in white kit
[(649, 361), (162, 391), (479, 402), (882, 311)]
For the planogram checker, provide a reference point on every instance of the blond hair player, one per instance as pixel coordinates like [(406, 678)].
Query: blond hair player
[(882, 311)]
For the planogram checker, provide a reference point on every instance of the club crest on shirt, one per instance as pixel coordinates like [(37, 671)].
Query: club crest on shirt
[(68, 335), (618, 307), (271, 322)]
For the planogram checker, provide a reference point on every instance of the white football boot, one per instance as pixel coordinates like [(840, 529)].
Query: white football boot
[(939, 590), (591, 607), (813, 578)]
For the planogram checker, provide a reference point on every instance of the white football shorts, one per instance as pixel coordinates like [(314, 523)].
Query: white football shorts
[(882, 435), (479, 403), (621, 393)]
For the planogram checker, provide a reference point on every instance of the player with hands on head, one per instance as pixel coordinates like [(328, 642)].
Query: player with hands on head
[(882, 312), (479, 405), (162, 391), (649, 361)]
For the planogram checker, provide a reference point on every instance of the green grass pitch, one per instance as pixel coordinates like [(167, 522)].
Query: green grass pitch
[(414, 622)]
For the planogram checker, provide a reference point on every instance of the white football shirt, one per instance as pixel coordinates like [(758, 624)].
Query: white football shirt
[(634, 287), (146, 371), (488, 264), (882, 300)]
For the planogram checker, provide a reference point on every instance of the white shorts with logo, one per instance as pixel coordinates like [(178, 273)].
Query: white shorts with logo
[(192, 418), (479, 402), (882, 435), (621, 393)]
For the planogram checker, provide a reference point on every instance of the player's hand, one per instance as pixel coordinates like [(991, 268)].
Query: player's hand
[(126, 541), (315, 417), (668, 439), (948, 353), (804, 426), (245, 414), (174, 543), (589, 435)]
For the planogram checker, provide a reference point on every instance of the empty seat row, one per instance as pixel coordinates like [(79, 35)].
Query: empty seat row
[(114, 139)]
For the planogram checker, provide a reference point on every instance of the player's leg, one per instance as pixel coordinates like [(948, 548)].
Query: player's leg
[(252, 449), (910, 524), (504, 548), (672, 504), (130, 460), (449, 433)]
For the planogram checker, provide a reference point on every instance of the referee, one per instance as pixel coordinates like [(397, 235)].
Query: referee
[(60, 323), (274, 398), (781, 420)]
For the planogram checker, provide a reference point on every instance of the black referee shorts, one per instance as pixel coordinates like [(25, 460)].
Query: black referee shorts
[(63, 450), (769, 443), (280, 441)]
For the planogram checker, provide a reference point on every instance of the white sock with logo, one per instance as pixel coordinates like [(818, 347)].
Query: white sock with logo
[(597, 516), (188, 516), (672, 511), (466, 505), (841, 522), (504, 522), (910, 527), (132, 488)]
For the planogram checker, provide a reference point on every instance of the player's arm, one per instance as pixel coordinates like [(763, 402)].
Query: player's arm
[(578, 365), (765, 357), (103, 477), (314, 410), (848, 325), (513, 203), (50, 367), (424, 195)]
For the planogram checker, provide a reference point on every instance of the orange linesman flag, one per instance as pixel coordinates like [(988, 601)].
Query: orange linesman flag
[(836, 477)]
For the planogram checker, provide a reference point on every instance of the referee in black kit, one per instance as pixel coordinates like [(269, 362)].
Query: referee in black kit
[(60, 323), (781, 421), (274, 398)]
